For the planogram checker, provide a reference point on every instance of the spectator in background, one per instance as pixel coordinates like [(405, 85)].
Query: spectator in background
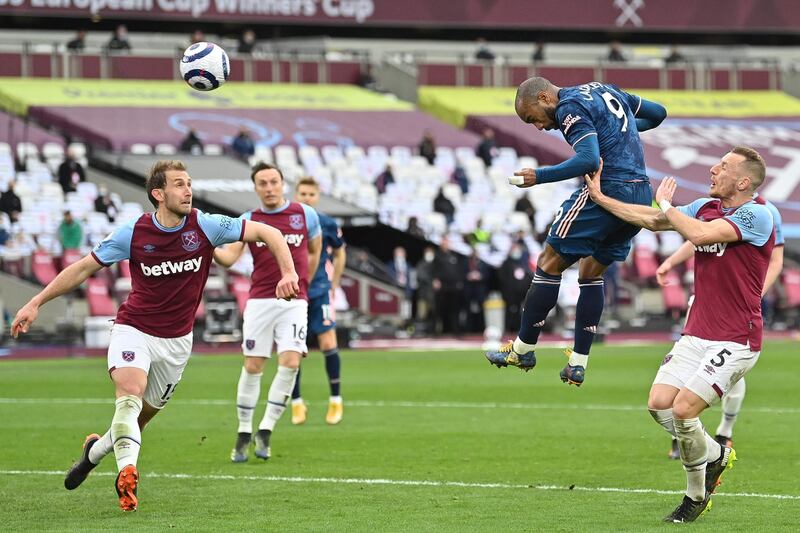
[(487, 148), (400, 271), (247, 42), (424, 296), (105, 204), (70, 173), (460, 178), (10, 203), (78, 44), (70, 232), (478, 235), (197, 37), (615, 52), (524, 205), (483, 52), (675, 55), (475, 289), (191, 143), (427, 147), (243, 145), (366, 78), (384, 179), (119, 39), (538, 52), (514, 278), (414, 228), (443, 205), (448, 285)]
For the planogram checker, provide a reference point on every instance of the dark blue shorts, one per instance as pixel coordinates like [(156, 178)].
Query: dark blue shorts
[(320, 315), (583, 229)]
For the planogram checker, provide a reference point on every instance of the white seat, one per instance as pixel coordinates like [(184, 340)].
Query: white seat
[(87, 190), (354, 153), (79, 149), (434, 223), (213, 149), (165, 149), (141, 149), (26, 150), (331, 153), (262, 153), (519, 220), (5, 148), (285, 155), (52, 150)]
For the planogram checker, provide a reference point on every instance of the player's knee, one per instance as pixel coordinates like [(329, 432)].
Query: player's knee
[(658, 401), (254, 365), (684, 408), (327, 340), (290, 359), (130, 387)]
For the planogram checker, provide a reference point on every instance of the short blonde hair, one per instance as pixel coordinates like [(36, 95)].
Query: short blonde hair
[(754, 166)]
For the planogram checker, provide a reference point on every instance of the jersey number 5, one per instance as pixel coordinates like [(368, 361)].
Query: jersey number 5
[(616, 108)]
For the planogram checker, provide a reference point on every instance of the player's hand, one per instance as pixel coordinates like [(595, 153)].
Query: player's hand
[(661, 273), (528, 176), (593, 182), (288, 287), (666, 189), (25, 317)]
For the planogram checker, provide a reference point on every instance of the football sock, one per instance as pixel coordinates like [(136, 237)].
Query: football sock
[(694, 449), (731, 405), (125, 431), (279, 393), (588, 311), (247, 398), (714, 448), (664, 418), (333, 366), (101, 448), (296, 389), (541, 298)]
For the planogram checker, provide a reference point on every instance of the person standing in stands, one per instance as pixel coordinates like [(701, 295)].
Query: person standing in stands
[(70, 232), (70, 172)]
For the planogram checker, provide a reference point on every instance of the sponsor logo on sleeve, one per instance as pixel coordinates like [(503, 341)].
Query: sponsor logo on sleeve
[(569, 121), (225, 222), (745, 218)]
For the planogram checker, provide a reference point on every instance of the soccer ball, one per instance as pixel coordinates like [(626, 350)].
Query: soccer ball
[(205, 66)]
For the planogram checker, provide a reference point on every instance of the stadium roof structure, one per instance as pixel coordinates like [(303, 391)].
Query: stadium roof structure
[(700, 128), (118, 113)]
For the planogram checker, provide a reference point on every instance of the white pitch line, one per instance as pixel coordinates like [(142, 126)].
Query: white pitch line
[(403, 404), (404, 482)]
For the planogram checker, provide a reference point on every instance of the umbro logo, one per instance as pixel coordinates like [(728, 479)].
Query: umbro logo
[(149, 248)]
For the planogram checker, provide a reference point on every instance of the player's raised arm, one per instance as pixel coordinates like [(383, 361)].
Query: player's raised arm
[(692, 229), (585, 161), (638, 215), (649, 114), (288, 286), (68, 279)]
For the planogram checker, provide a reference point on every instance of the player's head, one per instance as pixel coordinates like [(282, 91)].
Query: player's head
[(307, 191), (268, 182), (169, 184), (536, 103), (740, 171)]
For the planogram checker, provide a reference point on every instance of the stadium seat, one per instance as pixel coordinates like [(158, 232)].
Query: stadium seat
[(5, 148), (240, 288), (165, 149), (141, 149), (674, 295), (26, 150), (646, 263), (98, 298), (331, 153), (263, 153), (213, 149), (79, 149), (87, 190), (69, 257), (44, 270), (790, 279), (52, 150)]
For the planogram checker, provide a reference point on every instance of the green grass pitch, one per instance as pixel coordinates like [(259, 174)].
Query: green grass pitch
[(430, 441)]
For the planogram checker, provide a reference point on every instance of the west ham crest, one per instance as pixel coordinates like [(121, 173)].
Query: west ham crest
[(190, 240), (128, 356), (296, 221), (250, 344)]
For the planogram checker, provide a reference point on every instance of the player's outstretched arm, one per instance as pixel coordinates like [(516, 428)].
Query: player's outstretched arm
[(288, 287), (649, 115), (339, 259), (585, 161), (638, 215), (681, 255), (228, 254), (697, 231), (68, 279)]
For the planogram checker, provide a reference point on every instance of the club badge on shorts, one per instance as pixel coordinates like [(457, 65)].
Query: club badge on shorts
[(250, 344)]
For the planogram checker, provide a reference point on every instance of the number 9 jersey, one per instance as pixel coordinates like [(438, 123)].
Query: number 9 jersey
[(610, 114)]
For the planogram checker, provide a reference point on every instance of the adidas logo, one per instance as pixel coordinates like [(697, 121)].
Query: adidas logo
[(590, 329), (539, 324)]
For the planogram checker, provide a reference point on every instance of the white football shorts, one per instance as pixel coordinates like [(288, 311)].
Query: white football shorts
[(268, 320), (707, 368), (162, 359)]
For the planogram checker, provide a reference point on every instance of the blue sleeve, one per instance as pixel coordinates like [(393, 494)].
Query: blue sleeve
[(116, 247), (576, 125), (312, 222), (649, 114), (754, 222), (246, 216), (334, 233), (692, 208), (778, 221), (221, 229)]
